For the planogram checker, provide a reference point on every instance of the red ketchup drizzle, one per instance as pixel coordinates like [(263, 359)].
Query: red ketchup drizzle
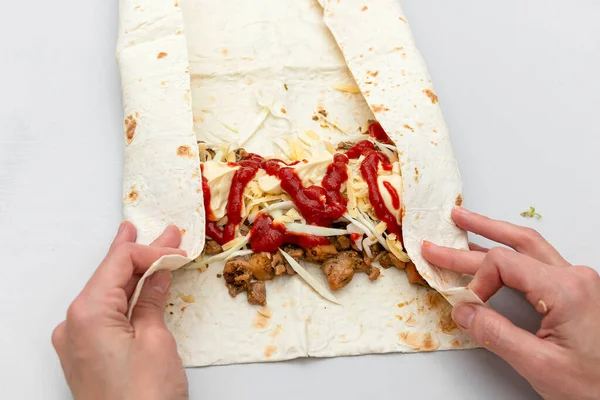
[(355, 236), (248, 169), (319, 205), (377, 133), (268, 236), (393, 193), (206, 194), (368, 169)]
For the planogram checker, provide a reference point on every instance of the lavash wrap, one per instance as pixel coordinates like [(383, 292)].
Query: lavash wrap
[(259, 79)]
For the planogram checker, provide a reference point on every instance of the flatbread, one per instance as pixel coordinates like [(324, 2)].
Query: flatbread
[(263, 73)]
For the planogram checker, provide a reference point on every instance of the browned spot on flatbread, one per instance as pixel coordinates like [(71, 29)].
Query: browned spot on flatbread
[(364, 8), (283, 111), (309, 319), (416, 174), (400, 318), (433, 300), (373, 73), (459, 200), (434, 143), (276, 331), (404, 56), (182, 309), (377, 108), (183, 231), (138, 7), (162, 54), (163, 83), (432, 96), (132, 196), (399, 48), (402, 19), (409, 127), (198, 119), (411, 320), (419, 341), (270, 350), (184, 151), (225, 52), (188, 298), (455, 343), (261, 321), (435, 131), (447, 324), (130, 125), (178, 32), (176, 4)]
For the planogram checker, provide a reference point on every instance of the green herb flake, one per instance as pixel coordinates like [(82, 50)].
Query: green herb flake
[(531, 213)]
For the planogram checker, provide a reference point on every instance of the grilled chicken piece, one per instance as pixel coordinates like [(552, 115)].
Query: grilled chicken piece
[(340, 269), (413, 275), (260, 265), (211, 247), (257, 293), (320, 253), (390, 260), (237, 274)]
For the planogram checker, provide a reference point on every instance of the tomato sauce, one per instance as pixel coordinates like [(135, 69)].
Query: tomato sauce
[(377, 133), (393, 194), (269, 236), (248, 169), (368, 169), (355, 236), (319, 205)]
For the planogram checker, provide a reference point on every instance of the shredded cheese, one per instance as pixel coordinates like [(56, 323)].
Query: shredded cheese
[(346, 88)]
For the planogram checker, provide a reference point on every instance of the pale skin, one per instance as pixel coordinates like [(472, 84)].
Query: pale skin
[(105, 356)]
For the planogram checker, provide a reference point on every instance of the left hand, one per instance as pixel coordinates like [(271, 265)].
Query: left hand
[(103, 354)]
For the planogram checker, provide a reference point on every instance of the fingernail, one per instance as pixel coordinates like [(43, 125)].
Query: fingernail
[(426, 243), (160, 281), (463, 315), (462, 210), (121, 227)]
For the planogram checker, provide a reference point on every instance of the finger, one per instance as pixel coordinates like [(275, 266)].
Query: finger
[(150, 308), (524, 240), (128, 259), (125, 234), (503, 267), (476, 247), (466, 262), (171, 237), (524, 351)]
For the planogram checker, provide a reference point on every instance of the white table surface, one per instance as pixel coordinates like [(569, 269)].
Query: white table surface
[(518, 82)]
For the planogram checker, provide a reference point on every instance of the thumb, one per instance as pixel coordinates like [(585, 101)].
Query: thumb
[(150, 308), (521, 349)]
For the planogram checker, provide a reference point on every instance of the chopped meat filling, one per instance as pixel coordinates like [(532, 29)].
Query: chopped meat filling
[(278, 264), (211, 247), (341, 242), (260, 265), (413, 275), (374, 273), (241, 154), (339, 270), (320, 253), (237, 276), (296, 253), (389, 260), (257, 293)]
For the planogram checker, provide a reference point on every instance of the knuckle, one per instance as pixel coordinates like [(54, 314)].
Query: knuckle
[(587, 272), (529, 236), (77, 311), (158, 337), (496, 254), (574, 286), (58, 335)]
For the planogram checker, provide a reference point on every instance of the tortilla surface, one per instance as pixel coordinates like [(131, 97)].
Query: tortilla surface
[(259, 77)]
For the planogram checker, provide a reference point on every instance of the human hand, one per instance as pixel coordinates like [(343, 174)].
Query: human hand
[(105, 356), (562, 360)]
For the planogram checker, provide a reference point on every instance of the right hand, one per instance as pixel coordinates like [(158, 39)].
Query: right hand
[(562, 360)]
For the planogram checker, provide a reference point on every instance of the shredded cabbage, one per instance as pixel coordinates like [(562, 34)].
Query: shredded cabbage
[(308, 278)]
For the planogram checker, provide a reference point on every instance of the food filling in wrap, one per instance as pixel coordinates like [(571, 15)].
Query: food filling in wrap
[(340, 209)]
